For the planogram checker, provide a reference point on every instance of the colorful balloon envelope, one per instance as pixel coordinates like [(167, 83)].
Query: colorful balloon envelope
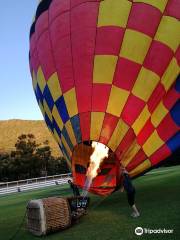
[(107, 71)]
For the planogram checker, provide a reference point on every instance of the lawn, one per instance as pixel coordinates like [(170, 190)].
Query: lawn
[(158, 198)]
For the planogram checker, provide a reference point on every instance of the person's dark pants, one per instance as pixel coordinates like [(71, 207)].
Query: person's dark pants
[(131, 197), (76, 192)]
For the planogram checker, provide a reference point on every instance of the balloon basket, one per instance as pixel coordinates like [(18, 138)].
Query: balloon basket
[(54, 214)]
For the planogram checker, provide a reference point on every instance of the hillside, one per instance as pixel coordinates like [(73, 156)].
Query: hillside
[(11, 129)]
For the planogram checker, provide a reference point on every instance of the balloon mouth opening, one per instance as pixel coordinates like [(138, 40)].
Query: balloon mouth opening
[(98, 155), (91, 162)]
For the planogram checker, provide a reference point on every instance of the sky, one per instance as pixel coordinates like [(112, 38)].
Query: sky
[(17, 99)]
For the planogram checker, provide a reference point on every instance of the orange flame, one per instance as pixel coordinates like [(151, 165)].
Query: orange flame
[(98, 155)]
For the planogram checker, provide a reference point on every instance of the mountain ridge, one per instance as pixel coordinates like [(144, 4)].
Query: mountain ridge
[(12, 128)]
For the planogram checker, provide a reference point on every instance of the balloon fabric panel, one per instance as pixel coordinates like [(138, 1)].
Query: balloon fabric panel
[(108, 71)]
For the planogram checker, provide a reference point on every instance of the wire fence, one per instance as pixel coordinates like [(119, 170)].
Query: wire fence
[(33, 183)]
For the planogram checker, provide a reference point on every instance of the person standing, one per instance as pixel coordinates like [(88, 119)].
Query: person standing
[(74, 188), (130, 190)]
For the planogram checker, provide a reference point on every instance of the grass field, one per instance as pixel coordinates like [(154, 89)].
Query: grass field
[(158, 198)]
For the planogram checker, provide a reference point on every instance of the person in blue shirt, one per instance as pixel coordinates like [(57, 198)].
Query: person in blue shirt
[(130, 190)]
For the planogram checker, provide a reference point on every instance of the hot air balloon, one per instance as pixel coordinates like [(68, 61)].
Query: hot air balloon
[(107, 71)]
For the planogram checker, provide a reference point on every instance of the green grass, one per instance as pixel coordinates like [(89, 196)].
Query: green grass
[(158, 198)]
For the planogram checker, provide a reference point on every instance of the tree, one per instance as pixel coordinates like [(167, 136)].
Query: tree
[(43, 153), (57, 166), (26, 145), (30, 160), (4, 166), (24, 157)]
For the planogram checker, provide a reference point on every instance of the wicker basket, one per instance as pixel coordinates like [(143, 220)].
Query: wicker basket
[(48, 215)]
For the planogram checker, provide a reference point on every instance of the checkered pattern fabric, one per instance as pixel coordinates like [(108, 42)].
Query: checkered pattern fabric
[(108, 71)]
